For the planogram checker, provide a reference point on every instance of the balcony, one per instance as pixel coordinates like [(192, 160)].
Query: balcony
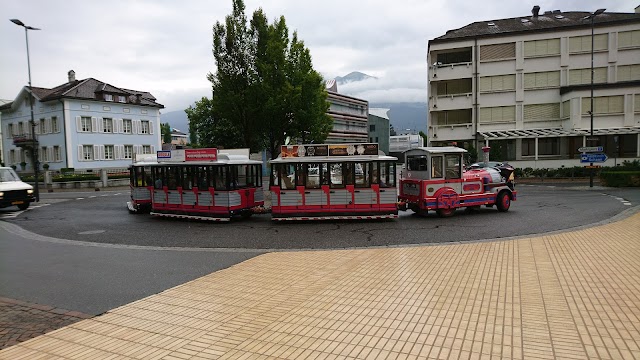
[(451, 102), (25, 141), (451, 71)]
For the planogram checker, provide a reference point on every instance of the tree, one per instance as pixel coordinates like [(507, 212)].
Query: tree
[(265, 87), (165, 130), (209, 131)]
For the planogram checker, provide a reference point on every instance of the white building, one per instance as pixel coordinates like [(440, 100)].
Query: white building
[(81, 124), (522, 86), (350, 117)]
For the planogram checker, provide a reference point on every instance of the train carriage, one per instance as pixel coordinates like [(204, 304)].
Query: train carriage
[(333, 181), (198, 184), (434, 180)]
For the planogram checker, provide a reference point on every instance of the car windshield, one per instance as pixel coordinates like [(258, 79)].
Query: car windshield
[(8, 175)]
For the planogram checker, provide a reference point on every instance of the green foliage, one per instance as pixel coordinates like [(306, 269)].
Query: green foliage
[(75, 177), (165, 130), (264, 89), (472, 154), (620, 178), (45, 166)]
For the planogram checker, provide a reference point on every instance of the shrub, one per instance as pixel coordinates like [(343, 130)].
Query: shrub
[(620, 178)]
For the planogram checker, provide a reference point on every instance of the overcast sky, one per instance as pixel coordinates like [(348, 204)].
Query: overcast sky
[(165, 46)]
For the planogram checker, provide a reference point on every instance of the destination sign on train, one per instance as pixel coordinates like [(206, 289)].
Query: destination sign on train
[(329, 150)]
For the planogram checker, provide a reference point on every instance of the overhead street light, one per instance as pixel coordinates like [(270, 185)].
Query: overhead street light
[(591, 17), (34, 148)]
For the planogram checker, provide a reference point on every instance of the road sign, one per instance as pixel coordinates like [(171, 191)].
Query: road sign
[(593, 139), (590, 149), (591, 158)]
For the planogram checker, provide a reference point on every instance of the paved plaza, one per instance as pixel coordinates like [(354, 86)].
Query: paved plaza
[(571, 295)]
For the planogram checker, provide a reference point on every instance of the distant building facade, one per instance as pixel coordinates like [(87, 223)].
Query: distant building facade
[(350, 117), (522, 85), (81, 124), (379, 128), (398, 144)]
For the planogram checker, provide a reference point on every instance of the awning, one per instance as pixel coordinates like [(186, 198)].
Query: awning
[(554, 132)]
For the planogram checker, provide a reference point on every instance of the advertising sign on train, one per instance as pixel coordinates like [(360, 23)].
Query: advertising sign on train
[(210, 154)]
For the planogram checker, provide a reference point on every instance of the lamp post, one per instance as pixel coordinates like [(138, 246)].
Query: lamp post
[(591, 17), (34, 148)]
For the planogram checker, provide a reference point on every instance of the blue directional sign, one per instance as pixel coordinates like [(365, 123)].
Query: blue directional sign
[(592, 158)]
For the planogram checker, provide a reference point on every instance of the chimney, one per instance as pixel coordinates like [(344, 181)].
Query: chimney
[(535, 11), (72, 76)]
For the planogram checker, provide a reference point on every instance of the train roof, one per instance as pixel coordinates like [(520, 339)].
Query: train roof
[(222, 159), (317, 159), (437, 150)]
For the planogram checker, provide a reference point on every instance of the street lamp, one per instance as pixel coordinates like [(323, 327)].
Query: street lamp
[(591, 17), (34, 148)]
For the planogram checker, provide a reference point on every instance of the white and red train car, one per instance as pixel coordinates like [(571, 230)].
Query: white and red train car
[(435, 180), (333, 181)]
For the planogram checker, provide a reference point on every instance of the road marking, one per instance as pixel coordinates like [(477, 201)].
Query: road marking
[(79, 198), (14, 214)]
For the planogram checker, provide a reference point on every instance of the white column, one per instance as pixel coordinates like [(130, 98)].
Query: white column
[(536, 142), (638, 147)]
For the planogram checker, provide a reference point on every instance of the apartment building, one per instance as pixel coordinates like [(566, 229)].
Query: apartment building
[(523, 86), (350, 117), (81, 124)]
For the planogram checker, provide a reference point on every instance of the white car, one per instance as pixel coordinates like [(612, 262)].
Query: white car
[(13, 191)]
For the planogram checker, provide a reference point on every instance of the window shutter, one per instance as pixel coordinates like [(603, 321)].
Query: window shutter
[(153, 149), (100, 124), (96, 152), (616, 104), (553, 46), (50, 153), (529, 48), (497, 51), (599, 75), (542, 112), (485, 115), (134, 126), (47, 125), (94, 124), (485, 83), (120, 126), (78, 123), (636, 101), (600, 42), (151, 127), (80, 154), (529, 80), (8, 132)]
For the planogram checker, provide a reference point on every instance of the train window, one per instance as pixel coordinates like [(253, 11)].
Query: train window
[(436, 167), (452, 166), (220, 176), (362, 174), (300, 174), (241, 175), (324, 173), (202, 175), (387, 174), (172, 177), (313, 176), (335, 175), (349, 173), (275, 179), (287, 177), (374, 171), (187, 178), (158, 177), (417, 163)]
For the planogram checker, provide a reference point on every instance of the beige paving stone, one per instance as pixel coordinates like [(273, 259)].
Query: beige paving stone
[(573, 295)]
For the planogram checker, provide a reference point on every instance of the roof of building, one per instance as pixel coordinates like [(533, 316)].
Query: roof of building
[(90, 89), (547, 21), (379, 112)]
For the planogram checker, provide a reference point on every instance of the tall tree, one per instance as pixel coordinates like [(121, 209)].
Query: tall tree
[(165, 130), (208, 130)]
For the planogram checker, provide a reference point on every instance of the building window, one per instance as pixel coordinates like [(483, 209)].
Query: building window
[(87, 152), (54, 124), (604, 105), (546, 146), (128, 151), (372, 127), (583, 76), (454, 57), (107, 125), (542, 79), (57, 155), (20, 129), (566, 109), (628, 73), (454, 117), (122, 99), (10, 132), (126, 126), (146, 149), (628, 39), (144, 129), (547, 47), (42, 126), (454, 87), (541, 112), (43, 154), (108, 152), (86, 124), (108, 97), (497, 114), (498, 83), (12, 157), (636, 101), (578, 44), (498, 52)]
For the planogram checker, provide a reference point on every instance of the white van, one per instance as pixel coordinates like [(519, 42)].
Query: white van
[(13, 191)]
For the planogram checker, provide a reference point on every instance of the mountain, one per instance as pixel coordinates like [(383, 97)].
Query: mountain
[(176, 119), (406, 117), (352, 77)]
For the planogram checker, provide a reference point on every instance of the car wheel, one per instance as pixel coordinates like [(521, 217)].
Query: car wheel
[(503, 202), (24, 205)]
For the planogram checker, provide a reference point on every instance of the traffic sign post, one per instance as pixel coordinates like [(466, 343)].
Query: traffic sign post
[(592, 158)]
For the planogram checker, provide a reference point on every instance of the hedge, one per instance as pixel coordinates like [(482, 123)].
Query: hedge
[(618, 178)]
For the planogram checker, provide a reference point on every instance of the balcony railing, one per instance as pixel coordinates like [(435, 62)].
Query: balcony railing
[(24, 141)]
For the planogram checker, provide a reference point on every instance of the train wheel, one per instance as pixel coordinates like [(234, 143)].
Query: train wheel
[(446, 212), (503, 202)]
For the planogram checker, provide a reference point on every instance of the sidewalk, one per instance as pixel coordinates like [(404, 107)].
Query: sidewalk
[(573, 295)]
